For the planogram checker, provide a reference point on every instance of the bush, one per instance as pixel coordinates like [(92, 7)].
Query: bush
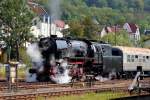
[(24, 57)]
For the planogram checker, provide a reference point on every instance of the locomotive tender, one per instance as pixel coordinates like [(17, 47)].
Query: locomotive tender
[(95, 58)]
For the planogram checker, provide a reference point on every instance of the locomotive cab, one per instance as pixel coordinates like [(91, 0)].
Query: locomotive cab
[(107, 59), (112, 62)]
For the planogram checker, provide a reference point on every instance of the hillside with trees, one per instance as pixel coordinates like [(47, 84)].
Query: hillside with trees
[(88, 17)]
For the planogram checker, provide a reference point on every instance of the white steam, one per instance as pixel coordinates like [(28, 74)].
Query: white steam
[(31, 77), (36, 57), (101, 79), (61, 74), (61, 77)]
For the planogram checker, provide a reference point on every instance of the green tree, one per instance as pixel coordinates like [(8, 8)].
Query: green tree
[(16, 18), (76, 29), (119, 38), (113, 3), (139, 5), (90, 28), (146, 5), (108, 13), (102, 3)]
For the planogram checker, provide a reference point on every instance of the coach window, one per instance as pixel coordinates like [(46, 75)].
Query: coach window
[(132, 58), (140, 58), (144, 59), (147, 57), (136, 56), (128, 58)]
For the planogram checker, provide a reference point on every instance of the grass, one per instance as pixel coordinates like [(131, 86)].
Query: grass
[(2, 72), (21, 72), (89, 96)]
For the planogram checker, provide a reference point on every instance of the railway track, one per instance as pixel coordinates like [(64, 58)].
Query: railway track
[(30, 91), (47, 92), (25, 86), (33, 94)]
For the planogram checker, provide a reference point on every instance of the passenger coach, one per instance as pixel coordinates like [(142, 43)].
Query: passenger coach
[(134, 59)]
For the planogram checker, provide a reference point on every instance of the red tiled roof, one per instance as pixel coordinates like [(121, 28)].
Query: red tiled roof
[(133, 27), (30, 0), (112, 29), (36, 8), (59, 23)]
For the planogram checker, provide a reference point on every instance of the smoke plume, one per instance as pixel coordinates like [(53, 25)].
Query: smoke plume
[(55, 11)]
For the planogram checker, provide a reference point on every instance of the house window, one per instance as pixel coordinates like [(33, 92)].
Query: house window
[(46, 19), (35, 22), (135, 37)]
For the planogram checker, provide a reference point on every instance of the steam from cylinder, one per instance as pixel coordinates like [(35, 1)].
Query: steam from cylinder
[(62, 73), (37, 62), (45, 66)]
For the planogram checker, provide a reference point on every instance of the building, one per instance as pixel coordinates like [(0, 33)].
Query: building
[(107, 30), (44, 25), (133, 31)]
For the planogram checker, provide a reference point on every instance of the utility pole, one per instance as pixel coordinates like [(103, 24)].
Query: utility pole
[(115, 34), (50, 26)]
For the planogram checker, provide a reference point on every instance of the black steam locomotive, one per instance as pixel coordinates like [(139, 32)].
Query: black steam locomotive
[(84, 57)]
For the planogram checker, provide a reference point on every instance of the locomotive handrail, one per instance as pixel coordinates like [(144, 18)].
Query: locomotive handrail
[(81, 57)]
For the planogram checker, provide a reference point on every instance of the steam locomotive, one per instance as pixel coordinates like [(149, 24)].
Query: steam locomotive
[(88, 57)]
